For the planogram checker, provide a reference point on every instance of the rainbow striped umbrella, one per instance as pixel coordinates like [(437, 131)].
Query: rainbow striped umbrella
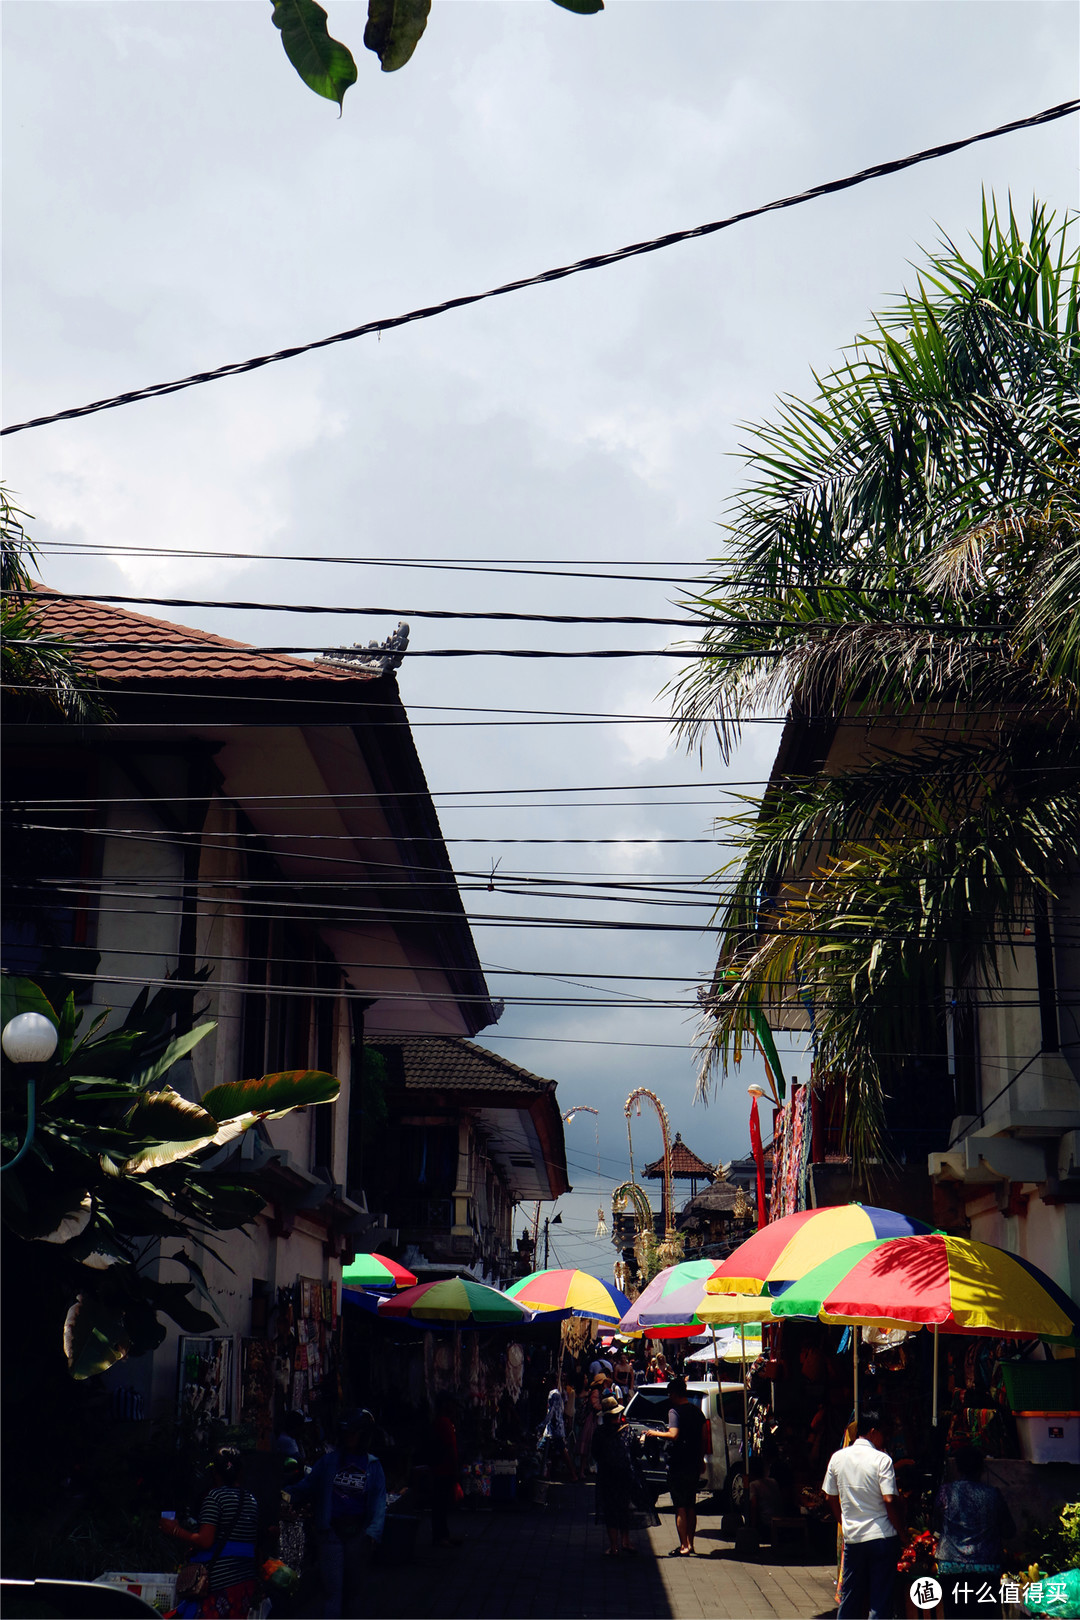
[(934, 1280), (378, 1272), (454, 1300), (571, 1293), (676, 1297), (789, 1247)]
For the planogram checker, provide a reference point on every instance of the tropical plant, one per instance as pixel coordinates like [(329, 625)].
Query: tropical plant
[(116, 1164), (43, 677), (393, 31), (903, 577)]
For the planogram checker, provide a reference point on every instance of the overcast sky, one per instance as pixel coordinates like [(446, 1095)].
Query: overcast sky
[(175, 199)]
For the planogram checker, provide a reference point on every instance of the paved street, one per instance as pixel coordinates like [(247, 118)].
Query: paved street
[(549, 1562)]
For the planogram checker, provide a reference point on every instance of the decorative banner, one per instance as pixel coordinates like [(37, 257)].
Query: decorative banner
[(759, 1160)]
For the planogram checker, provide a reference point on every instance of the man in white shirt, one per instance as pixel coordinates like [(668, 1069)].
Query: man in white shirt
[(861, 1487)]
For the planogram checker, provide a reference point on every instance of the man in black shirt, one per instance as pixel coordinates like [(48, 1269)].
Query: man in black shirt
[(686, 1426)]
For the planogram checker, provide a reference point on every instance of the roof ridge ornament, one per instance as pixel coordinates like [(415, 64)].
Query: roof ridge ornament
[(377, 658)]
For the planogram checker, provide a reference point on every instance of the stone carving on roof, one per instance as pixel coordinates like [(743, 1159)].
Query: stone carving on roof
[(377, 658)]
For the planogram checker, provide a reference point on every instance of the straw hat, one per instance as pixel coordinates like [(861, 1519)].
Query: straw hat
[(611, 1406)]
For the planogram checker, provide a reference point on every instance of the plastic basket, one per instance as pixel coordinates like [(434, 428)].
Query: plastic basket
[(158, 1588), (1042, 1386)]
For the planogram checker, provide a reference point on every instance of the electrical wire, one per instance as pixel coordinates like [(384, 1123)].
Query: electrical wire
[(594, 262), (937, 626), (565, 568), (554, 568)]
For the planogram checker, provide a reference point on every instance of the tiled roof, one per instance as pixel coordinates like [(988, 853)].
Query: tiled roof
[(157, 649), (447, 1062), (684, 1162)]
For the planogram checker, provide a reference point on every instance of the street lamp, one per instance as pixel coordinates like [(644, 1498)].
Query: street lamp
[(29, 1039)]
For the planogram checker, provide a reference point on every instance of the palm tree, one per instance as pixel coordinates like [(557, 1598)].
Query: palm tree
[(905, 559), (43, 677)]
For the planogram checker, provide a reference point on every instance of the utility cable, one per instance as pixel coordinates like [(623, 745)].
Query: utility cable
[(597, 261), (934, 627)]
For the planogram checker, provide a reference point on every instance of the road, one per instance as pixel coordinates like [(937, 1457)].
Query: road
[(548, 1562)]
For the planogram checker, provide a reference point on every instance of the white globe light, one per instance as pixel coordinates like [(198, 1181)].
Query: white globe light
[(29, 1038)]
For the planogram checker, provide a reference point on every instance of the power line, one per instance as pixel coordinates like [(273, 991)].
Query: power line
[(542, 567), (376, 796), (937, 626), (553, 568), (594, 262), (331, 915)]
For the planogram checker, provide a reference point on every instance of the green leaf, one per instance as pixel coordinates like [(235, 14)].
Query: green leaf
[(198, 1280), (164, 1153), (21, 996), (175, 1050), (393, 30), (273, 1094), (94, 1337), (325, 65), (172, 1298), (584, 8), (165, 1116)]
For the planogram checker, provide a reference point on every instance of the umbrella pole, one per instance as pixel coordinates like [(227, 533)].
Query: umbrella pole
[(745, 1404), (720, 1398), (935, 1408), (855, 1365)]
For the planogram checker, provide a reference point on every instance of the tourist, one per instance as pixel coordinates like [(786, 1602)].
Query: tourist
[(554, 1435), (614, 1476), (347, 1488), (861, 1487), (223, 1545), (975, 1523), (594, 1396), (686, 1431), (623, 1371), (446, 1488)]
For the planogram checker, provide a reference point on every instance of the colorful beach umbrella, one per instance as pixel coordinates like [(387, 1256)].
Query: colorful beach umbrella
[(571, 1293), (455, 1300), (676, 1297), (378, 1272), (787, 1248), (934, 1280)]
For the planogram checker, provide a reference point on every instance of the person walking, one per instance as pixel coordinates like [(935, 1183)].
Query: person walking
[(686, 1431), (554, 1435), (594, 1396), (614, 1476), (347, 1488), (445, 1471), (224, 1543), (860, 1484), (623, 1371), (975, 1524)]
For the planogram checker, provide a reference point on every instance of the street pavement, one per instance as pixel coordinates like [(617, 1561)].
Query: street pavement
[(537, 1562)]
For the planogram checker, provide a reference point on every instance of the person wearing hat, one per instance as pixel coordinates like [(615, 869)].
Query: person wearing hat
[(614, 1475), (347, 1489)]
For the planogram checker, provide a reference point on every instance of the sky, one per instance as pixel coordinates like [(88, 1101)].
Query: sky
[(176, 199)]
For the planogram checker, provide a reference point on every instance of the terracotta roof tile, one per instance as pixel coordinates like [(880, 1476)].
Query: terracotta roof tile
[(447, 1062), (173, 651), (684, 1162)]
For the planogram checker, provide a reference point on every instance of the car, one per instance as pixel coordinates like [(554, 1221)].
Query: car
[(722, 1472)]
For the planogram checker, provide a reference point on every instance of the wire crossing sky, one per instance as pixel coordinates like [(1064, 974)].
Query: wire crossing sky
[(598, 261), (565, 456)]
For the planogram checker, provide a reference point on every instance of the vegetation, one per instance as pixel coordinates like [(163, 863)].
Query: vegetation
[(43, 677), (905, 562), (116, 1168), (393, 31)]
